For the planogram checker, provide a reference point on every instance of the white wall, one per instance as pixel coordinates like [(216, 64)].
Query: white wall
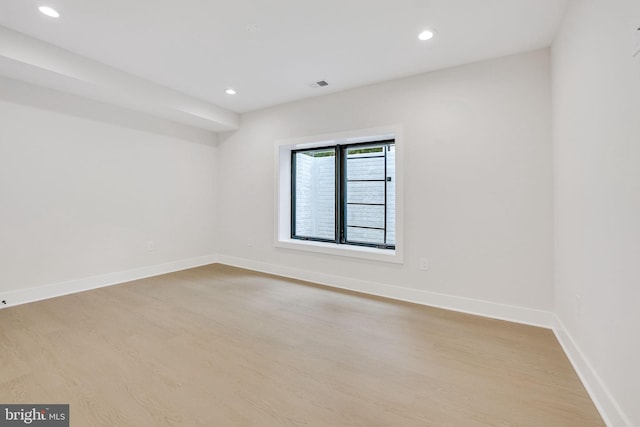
[(477, 169), (81, 197), (596, 116)]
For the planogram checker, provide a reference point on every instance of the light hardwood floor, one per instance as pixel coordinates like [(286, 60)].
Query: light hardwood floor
[(221, 346)]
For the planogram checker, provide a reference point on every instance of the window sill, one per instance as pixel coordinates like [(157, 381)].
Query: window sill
[(363, 252)]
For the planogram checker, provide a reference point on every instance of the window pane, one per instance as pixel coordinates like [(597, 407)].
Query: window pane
[(365, 192), (365, 216), (315, 198), (366, 184), (361, 167), (391, 195), (365, 235)]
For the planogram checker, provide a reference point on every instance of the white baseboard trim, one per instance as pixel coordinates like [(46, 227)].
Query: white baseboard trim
[(605, 403), (510, 313), (608, 407), (610, 411), (23, 296)]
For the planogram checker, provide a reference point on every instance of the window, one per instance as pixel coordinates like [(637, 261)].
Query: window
[(345, 221), (345, 194)]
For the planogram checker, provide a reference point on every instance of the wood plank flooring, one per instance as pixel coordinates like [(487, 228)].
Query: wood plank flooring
[(221, 346)]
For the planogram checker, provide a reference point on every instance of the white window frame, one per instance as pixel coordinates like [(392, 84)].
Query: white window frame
[(282, 226)]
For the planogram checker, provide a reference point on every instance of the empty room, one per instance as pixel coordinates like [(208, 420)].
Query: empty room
[(345, 213)]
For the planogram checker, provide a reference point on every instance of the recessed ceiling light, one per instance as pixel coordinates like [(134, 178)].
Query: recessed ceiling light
[(230, 91), (426, 35), (49, 11)]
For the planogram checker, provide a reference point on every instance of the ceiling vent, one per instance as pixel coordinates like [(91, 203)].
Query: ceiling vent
[(320, 83)]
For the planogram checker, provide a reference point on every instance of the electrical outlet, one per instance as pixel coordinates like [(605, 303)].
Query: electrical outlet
[(424, 264), (151, 245), (250, 242)]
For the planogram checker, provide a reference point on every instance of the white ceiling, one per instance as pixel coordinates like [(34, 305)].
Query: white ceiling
[(270, 50)]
